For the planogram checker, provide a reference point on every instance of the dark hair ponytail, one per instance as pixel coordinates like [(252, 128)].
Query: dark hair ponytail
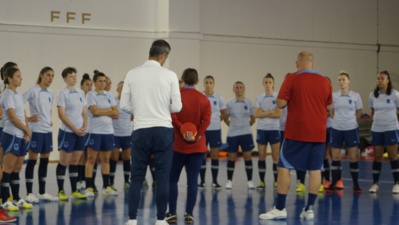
[(98, 74), (389, 88), (85, 77), (9, 73), (45, 69), (5, 67)]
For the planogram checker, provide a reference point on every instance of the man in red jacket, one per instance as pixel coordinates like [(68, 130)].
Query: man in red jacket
[(189, 149)]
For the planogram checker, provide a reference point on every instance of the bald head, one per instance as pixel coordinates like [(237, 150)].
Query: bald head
[(304, 60)]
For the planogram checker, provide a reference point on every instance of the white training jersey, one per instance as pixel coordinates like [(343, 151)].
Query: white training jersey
[(283, 118), (73, 103), (385, 108), (345, 107), (1, 90), (12, 100), (100, 124), (240, 113), (40, 103), (122, 125), (265, 103), (217, 104)]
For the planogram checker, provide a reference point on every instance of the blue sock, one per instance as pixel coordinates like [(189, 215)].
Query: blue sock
[(311, 200), (280, 204)]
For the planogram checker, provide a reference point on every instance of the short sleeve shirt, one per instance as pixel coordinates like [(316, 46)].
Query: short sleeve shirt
[(240, 113)]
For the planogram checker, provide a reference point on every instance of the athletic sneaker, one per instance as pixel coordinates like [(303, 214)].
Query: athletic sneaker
[(48, 197), (261, 186), (89, 192), (22, 204), (161, 222), (31, 198), (301, 188), (373, 188), (274, 214), (326, 184), (339, 185), (78, 195), (229, 185), (131, 222), (216, 186), (188, 218), (9, 205), (126, 185), (321, 188), (62, 196), (171, 218), (275, 185), (81, 185), (95, 190), (357, 189), (202, 186), (251, 185), (395, 188), (110, 191), (307, 215), (5, 218)]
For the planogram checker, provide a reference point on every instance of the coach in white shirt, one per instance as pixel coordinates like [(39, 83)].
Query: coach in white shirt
[(151, 93)]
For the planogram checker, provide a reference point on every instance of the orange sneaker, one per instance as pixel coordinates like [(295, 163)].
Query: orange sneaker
[(339, 185), (5, 218), (326, 184)]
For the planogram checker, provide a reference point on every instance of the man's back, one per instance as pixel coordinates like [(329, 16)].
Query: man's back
[(152, 89)]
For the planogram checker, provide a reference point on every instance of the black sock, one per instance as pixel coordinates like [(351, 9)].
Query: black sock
[(262, 170), (105, 180), (301, 176), (81, 172), (376, 171), (89, 182), (327, 168), (311, 201), (203, 171), (42, 175), (395, 170), (112, 169), (93, 179), (29, 170), (215, 170), (230, 169), (126, 170), (60, 172), (275, 171), (354, 168), (14, 181), (5, 187), (335, 168), (248, 168), (73, 176)]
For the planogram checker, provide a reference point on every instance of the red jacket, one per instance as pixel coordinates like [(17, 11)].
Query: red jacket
[(197, 110)]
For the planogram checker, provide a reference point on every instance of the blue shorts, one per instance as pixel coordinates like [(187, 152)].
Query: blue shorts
[(123, 142), (299, 155), (264, 137), (13, 144), (245, 141), (386, 138), (344, 138), (213, 138), (41, 142), (328, 135), (70, 142), (101, 142)]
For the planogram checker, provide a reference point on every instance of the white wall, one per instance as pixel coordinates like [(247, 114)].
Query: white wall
[(230, 39)]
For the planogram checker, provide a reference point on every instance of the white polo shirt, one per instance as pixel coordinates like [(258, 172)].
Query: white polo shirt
[(345, 107), (100, 124), (151, 93), (267, 102), (73, 103), (240, 113), (385, 108), (217, 104), (12, 100)]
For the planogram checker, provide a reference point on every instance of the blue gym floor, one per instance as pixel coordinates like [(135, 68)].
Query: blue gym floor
[(238, 206)]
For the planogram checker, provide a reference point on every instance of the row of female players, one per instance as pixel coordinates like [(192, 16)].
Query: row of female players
[(342, 132), (93, 128)]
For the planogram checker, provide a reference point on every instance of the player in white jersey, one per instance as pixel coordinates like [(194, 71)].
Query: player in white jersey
[(71, 105), (346, 110), (122, 133), (268, 130), (102, 109), (384, 103), (86, 85), (213, 133), (240, 118), (40, 98), (14, 139)]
